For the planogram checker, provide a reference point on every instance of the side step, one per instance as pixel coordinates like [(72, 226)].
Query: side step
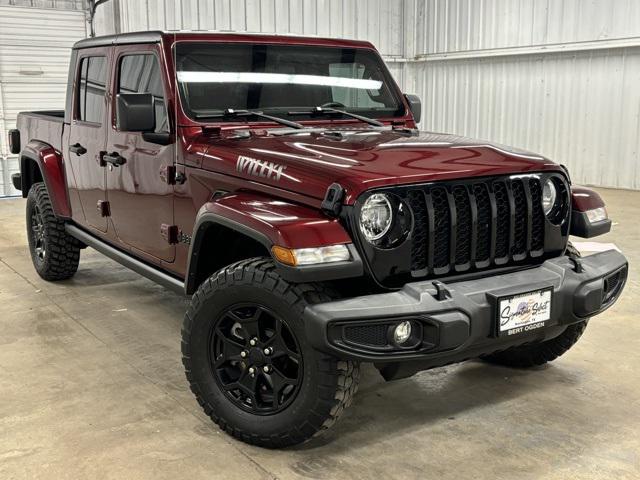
[(127, 260)]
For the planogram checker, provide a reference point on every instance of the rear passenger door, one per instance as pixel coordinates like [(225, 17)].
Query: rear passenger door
[(87, 136), (140, 198)]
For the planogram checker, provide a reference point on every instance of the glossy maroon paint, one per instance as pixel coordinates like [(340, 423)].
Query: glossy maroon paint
[(583, 199), (285, 223), (52, 167), (139, 197)]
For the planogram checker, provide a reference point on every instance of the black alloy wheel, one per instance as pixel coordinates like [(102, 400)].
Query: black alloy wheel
[(37, 235), (256, 359)]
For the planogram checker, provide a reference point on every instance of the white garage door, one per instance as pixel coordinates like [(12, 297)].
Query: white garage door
[(35, 46)]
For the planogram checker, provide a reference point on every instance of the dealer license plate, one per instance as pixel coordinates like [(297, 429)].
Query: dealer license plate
[(524, 312)]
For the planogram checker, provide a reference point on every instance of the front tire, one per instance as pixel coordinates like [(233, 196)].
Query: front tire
[(249, 364), (55, 254)]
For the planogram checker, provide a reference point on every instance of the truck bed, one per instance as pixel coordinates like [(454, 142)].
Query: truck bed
[(45, 126)]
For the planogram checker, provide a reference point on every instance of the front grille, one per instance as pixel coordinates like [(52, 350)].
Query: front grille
[(459, 226)]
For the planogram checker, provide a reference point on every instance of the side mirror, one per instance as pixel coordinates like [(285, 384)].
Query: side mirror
[(415, 105), (135, 112)]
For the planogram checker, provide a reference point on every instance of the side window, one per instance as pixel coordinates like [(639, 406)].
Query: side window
[(93, 85), (141, 74)]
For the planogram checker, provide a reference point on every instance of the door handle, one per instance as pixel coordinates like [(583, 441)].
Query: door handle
[(77, 149), (113, 158)]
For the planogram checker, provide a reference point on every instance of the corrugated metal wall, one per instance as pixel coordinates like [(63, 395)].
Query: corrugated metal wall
[(559, 77), (379, 21), (35, 45)]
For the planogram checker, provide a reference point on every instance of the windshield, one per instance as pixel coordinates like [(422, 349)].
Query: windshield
[(279, 79)]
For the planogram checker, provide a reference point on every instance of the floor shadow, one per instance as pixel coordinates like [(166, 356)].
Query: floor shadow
[(383, 410)]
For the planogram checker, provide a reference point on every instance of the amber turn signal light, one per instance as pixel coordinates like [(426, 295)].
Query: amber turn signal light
[(284, 255)]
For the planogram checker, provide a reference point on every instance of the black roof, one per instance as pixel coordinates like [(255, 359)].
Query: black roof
[(120, 39)]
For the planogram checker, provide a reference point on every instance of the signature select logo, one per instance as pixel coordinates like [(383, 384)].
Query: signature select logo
[(259, 168), (523, 312)]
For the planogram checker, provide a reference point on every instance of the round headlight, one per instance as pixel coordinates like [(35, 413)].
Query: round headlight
[(549, 195), (376, 217)]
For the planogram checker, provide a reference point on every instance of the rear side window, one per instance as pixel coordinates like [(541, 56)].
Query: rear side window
[(93, 85), (141, 74)]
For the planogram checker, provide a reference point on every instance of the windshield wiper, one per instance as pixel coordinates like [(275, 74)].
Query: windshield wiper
[(230, 112), (332, 111)]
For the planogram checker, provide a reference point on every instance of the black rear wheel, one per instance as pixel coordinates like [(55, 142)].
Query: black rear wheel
[(55, 254), (248, 361)]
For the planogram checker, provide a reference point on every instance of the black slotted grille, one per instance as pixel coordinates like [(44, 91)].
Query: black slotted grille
[(475, 224), (463, 231), (537, 219), (483, 250), (520, 203), (442, 226), (503, 219)]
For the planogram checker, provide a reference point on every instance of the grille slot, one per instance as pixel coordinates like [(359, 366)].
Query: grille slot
[(475, 224), (374, 335)]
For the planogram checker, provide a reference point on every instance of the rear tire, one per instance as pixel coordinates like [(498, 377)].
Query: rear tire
[(537, 354), (294, 391), (55, 254)]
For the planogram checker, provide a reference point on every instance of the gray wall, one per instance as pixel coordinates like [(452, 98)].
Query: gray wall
[(35, 45)]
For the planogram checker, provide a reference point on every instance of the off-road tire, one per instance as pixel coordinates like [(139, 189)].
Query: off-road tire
[(327, 386), (62, 251), (537, 354)]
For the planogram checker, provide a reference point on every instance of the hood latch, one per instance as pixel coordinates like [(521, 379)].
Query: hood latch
[(332, 203)]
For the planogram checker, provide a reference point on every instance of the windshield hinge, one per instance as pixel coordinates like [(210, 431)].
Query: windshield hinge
[(171, 176)]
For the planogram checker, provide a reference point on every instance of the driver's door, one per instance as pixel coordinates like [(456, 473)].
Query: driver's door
[(140, 199)]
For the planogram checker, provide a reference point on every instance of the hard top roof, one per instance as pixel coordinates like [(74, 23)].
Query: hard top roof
[(156, 36)]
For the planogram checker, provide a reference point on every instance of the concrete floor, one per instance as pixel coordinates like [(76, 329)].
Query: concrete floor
[(91, 386)]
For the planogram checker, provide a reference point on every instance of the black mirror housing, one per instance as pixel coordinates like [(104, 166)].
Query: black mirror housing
[(135, 112), (415, 105)]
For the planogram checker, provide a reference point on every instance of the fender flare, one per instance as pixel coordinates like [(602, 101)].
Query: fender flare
[(51, 165), (246, 214), (583, 199)]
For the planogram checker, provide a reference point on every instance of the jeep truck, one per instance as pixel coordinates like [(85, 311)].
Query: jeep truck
[(281, 182)]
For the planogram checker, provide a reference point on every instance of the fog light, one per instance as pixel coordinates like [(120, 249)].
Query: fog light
[(402, 332)]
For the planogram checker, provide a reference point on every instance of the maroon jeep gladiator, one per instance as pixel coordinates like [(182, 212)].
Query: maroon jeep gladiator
[(282, 183)]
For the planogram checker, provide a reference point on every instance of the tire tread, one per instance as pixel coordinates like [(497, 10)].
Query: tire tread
[(63, 251)]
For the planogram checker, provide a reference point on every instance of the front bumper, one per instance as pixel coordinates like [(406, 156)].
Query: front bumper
[(459, 320)]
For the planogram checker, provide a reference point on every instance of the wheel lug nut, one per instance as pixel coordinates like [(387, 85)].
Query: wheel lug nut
[(253, 342), (243, 354), (266, 369), (268, 351), (252, 371)]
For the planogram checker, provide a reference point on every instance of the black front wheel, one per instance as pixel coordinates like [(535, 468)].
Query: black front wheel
[(249, 364)]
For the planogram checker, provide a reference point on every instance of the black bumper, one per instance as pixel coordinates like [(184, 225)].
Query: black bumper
[(458, 320)]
